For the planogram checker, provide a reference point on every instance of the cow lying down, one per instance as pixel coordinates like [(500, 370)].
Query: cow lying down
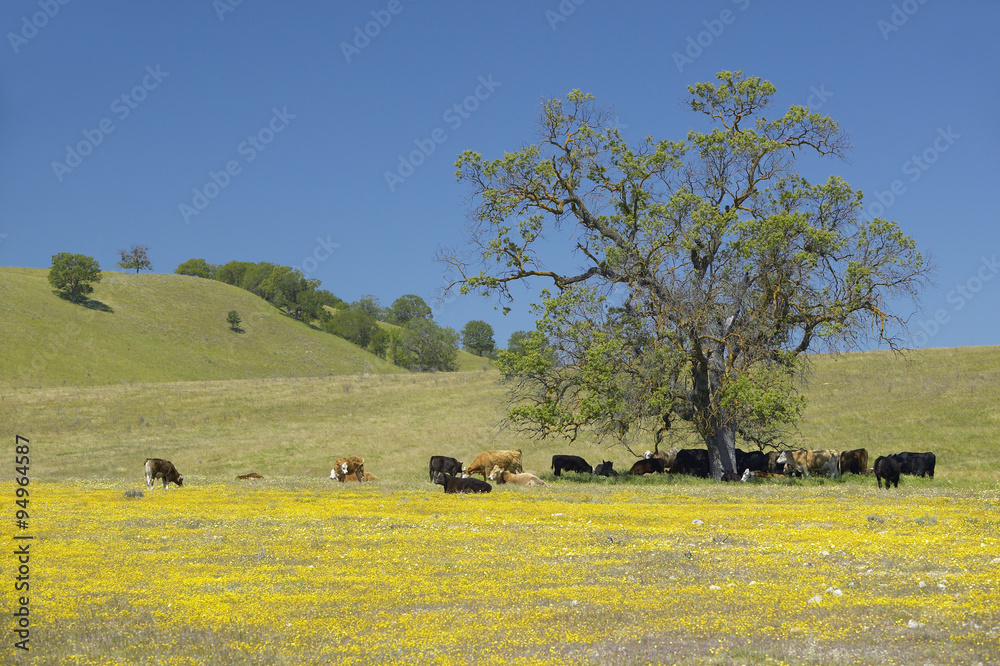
[(457, 484), (369, 477), (502, 476)]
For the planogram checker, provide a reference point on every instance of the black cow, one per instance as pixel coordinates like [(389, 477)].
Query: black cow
[(648, 466), (606, 468), (755, 461), (693, 462), (570, 464), (917, 464), (445, 464), (457, 484), (886, 468)]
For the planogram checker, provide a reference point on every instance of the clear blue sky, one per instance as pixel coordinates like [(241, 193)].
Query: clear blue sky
[(155, 97)]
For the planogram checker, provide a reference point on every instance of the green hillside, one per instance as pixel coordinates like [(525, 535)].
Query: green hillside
[(467, 362), (155, 328)]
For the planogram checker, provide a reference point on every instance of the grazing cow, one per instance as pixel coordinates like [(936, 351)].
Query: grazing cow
[(351, 465), (444, 464), (606, 468), (570, 464), (458, 484), (691, 461), (509, 460), (522, 479), (648, 466), (886, 468), (801, 461), (158, 468), (755, 461), (250, 476), (354, 478), (917, 464), (854, 461)]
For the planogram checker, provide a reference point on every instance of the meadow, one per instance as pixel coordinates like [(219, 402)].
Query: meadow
[(298, 569), (294, 572)]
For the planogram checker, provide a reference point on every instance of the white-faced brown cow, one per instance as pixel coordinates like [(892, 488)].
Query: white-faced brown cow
[(158, 468), (502, 476)]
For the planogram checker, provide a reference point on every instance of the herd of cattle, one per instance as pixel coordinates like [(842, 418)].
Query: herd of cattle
[(504, 467)]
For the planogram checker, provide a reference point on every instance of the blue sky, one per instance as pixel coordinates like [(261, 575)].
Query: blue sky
[(263, 131)]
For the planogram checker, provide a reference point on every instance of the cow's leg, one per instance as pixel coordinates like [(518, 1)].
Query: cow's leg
[(165, 483)]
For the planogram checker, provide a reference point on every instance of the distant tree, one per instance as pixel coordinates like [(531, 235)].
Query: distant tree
[(234, 320), (477, 337), (232, 272), (380, 342), (255, 275), (352, 325), (424, 346), (516, 342), (137, 258), (369, 305), (73, 274), (198, 268), (407, 308)]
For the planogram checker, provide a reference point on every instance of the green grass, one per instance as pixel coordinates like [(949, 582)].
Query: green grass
[(157, 328), (297, 427)]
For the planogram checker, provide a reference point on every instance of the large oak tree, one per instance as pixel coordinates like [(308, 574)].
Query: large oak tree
[(702, 269)]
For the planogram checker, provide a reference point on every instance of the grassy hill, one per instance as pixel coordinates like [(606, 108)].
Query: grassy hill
[(467, 362), (154, 328)]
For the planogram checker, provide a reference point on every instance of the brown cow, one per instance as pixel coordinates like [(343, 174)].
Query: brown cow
[(854, 461), (351, 465), (507, 460), (369, 477), (250, 476), (158, 468), (502, 476), (801, 461)]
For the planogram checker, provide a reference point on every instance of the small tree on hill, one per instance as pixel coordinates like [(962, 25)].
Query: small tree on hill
[(477, 337), (73, 274), (234, 320), (137, 258), (406, 308)]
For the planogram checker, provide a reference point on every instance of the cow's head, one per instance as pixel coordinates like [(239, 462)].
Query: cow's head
[(648, 454), (333, 473), (782, 458), (180, 480)]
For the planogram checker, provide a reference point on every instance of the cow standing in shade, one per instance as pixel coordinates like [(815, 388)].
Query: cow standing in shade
[(917, 464), (568, 463)]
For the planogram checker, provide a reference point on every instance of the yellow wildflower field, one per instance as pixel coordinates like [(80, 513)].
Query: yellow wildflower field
[(297, 572)]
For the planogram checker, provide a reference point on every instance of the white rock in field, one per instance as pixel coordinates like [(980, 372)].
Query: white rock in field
[(824, 553), (921, 584), (714, 587), (815, 600), (941, 586), (995, 560), (697, 522), (913, 624), (837, 592)]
